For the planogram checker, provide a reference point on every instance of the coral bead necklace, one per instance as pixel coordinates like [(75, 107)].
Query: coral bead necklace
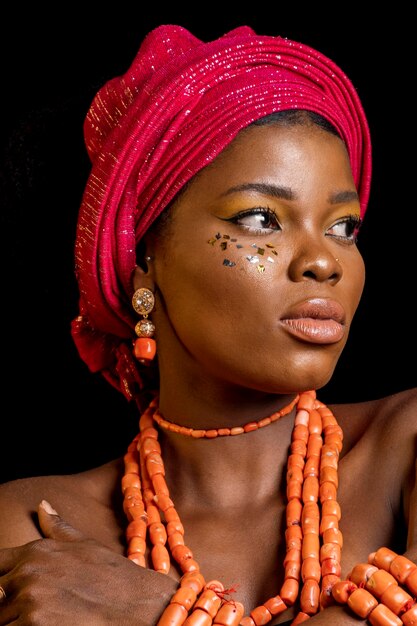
[(312, 564)]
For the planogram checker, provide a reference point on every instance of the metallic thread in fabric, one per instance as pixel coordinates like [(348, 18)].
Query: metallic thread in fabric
[(147, 132)]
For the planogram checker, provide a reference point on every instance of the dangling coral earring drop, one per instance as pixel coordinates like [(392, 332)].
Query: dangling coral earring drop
[(144, 349)]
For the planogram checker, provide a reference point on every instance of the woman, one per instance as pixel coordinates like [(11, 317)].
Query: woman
[(219, 227)]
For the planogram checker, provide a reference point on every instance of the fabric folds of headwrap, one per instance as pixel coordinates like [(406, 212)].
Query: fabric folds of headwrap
[(150, 130)]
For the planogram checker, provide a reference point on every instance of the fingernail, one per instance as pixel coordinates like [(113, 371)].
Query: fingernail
[(47, 507)]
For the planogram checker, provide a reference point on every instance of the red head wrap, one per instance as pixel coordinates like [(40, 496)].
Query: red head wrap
[(149, 131)]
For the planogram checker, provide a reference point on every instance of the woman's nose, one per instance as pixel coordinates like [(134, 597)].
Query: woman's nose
[(315, 262)]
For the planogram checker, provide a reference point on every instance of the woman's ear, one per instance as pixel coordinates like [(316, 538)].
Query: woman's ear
[(143, 278)]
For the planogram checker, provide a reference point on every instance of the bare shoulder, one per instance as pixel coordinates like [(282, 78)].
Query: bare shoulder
[(77, 497), (393, 411)]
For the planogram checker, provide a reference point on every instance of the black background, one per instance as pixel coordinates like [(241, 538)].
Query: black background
[(56, 416)]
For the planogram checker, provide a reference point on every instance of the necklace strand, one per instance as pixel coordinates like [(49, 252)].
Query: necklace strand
[(383, 590), (311, 478), (212, 433)]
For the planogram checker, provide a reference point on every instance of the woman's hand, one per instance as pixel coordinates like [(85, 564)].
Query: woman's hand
[(69, 579)]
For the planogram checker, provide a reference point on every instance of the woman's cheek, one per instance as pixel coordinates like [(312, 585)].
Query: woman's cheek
[(234, 253)]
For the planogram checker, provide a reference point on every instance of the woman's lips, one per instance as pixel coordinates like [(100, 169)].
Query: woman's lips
[(318, 320)]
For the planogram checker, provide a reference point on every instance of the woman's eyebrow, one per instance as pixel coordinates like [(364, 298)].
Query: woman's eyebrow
[(267, 189), (340, 197)]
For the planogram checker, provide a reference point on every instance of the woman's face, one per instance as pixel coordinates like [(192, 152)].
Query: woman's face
[(258, 275)]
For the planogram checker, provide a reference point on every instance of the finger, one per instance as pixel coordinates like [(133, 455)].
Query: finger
[(54, 527)]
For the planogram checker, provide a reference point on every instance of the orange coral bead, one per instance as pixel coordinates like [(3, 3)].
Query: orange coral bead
[(396, 598), (198, 618), (362, 602), (186, 596), (157, 533), (247, 621), (300, 618), (401, 567), (195, 580), (361, 573), (144, 349), (275, 605), (379, 582), (409, 618), (160, 558), (411, 582), (289, 591), (261, 615), (229, 614), (382, 616), (310, 490), (209, 601), (311, 546), (174, 615), (310, 596), (342, 590), (311, 569), (382, 558)]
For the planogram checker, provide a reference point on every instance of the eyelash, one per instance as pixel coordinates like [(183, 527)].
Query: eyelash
[(354, 221), (264, 211)]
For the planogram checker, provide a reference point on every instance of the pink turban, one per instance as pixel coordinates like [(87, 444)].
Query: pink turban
[(149, 131)]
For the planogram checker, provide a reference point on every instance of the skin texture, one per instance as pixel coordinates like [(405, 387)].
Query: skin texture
[(226, 357)]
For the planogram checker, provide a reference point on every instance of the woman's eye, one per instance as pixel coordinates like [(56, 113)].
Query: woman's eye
[(347, 229), (258, 220)]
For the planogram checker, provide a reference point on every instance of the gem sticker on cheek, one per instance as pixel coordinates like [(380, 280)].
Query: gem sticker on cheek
[(229, 243)]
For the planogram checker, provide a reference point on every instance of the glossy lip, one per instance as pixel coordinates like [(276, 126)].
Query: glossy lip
[(317, 320)]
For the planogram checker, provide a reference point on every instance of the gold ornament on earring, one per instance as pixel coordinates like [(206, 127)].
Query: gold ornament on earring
[(143, 301)]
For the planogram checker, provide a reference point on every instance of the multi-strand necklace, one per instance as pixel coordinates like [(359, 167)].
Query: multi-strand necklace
[(312, 564)]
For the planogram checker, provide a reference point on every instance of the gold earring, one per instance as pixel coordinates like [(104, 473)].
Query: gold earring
[(143, 301)]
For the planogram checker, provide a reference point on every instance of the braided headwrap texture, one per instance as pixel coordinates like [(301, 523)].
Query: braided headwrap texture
[(149, 131)]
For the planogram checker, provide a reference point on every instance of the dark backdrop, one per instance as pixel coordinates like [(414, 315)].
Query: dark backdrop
[(56, 416)]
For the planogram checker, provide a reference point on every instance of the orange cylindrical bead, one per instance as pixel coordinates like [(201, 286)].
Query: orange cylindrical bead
[(275, 605), (327, 491), (293, 511), (310, 596), (382, 558), (209, 601), (247, 621), (174, 615), (396, 598), (157, 533), (362, 602), (186, 596), (409, 618), (229, 614), (194, 580), (333, 535), (300, 618), (310, 546), (289, 591), (198, 617), (181, 553), (160, 558), (411, 582), (311, 569), (383, 616), (379, 582), (331, 566), (292, 569), (361, 573), (310, 490), (401, 567), (261, 615), (330, 551), (342, 590)]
